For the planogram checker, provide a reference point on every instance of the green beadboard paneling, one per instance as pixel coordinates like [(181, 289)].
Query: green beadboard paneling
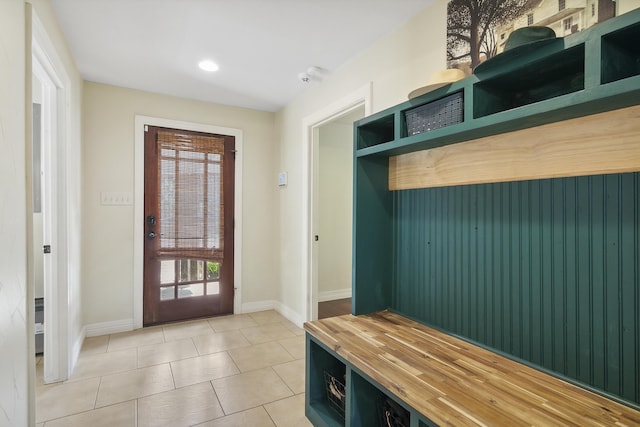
[(547, 271)]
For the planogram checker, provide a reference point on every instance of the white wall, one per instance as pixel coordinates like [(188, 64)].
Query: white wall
[(335, 209), (396, 65), (14, 330), (108, 160)]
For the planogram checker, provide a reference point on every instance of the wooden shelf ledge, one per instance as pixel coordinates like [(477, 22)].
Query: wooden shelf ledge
[(451, 381)]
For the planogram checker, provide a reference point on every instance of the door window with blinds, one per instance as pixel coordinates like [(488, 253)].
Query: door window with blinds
[(191, 213), (186, 215)]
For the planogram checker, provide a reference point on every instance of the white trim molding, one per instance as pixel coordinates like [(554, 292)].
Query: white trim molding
[(106, 328), (138, 208), (285, 311), (252, 307), (60, 346), (310, 124)]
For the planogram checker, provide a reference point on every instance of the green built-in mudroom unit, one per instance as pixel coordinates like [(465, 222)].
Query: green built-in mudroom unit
[(513, 230)]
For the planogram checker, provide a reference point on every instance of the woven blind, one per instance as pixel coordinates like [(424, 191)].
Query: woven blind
[(191, 196)]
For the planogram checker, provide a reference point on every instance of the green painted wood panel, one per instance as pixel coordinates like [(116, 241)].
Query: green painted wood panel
[(547, 271), (372, 237)]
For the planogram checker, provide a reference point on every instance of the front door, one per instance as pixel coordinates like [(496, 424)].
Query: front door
[(188, 208)]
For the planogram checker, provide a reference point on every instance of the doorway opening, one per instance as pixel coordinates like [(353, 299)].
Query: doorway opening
[(50, 245), (328, 151), (332, 212)]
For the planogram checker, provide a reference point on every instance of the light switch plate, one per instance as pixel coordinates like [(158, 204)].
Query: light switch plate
[(116, 198), (282, 179)]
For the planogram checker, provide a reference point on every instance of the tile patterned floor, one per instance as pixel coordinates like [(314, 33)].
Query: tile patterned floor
[(241, 370)]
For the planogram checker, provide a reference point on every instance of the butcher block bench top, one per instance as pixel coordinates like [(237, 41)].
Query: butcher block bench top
[(453, 382)]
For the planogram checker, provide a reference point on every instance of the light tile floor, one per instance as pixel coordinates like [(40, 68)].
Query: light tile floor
[(241, 370)]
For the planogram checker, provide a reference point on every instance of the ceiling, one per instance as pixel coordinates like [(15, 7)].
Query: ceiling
[(261, 46)]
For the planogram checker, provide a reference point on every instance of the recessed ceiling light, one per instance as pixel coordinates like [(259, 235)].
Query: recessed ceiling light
[(208, 65)]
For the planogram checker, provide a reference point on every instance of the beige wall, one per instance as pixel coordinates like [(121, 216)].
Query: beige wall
[(108, 160), (396, 65), (335, 208)]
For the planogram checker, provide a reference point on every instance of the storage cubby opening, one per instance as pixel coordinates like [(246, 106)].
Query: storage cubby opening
[(327, 385), (376, 132), (620, 57), (372, 407), (433, 115), (553, 76)]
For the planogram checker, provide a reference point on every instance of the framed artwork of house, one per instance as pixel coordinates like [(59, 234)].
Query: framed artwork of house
[(478, 30)]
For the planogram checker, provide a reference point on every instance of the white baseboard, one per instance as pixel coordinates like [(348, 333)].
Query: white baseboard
[(291, 315), (106, 328), (332, 295), (251, 307), (125, 325), (288, 313)]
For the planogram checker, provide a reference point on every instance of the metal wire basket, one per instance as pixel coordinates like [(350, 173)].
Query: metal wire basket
[(441, 113), (392, 414), (335, 392)]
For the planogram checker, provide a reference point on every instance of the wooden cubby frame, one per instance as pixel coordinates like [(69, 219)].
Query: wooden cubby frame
[(318, 409), (363, 394)]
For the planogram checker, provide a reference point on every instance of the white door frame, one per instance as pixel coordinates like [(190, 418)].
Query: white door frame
[(48, 68), (138, 208), (310, 125)]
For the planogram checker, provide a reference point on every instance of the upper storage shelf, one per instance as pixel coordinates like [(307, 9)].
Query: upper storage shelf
[(621, 54), (589, 72), (558, 74), (376, 132)]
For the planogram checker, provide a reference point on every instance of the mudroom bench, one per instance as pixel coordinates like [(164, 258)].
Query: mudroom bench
[(502, 208), (361, 369)]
